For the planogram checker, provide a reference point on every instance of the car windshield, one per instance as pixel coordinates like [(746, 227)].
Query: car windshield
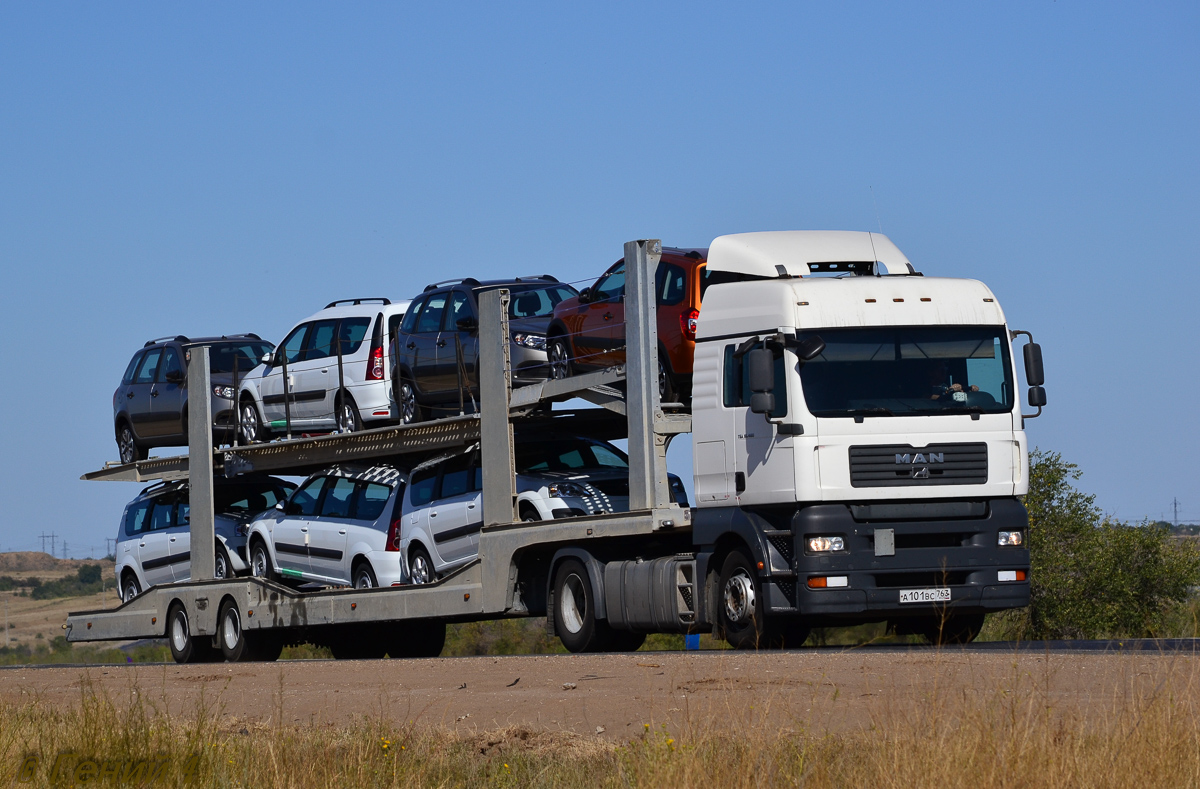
[(248, 354), (907, 370), (568, 454), (536, 301)]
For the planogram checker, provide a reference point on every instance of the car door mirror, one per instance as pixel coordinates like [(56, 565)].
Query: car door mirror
[(279, 506), (810, 348), (585, 296), (268, 359), (174, 376), (468, 323)]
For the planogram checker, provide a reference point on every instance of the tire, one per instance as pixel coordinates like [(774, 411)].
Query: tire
[(529, 513), (222, 569), (184, 647), (410, 410), (130, 588), (420, 567), (952, 629), (260, 561), (242, 646), (128, 446), (740, 617), (250, 424), (358, 643), (558, 356), (363, 576), (624, 641), (575, 621), (667, 391), (348, 420), (424, 638)]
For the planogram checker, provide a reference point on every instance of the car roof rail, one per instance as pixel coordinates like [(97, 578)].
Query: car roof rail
[(176, 338), (357, 302), (546, 277), (460, 281)]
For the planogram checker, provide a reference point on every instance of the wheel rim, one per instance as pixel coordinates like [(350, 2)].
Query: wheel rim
[(739, 598), (125, 445), (364, 581), (130, 591), (662, 381), (179, 632), (573, 606), (249, 423), (231, 628), (346, 418), (220, 569), (259, 564), (408, 403), (420, 569), (559, 364)]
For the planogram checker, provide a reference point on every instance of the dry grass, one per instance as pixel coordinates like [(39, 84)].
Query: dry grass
[(1014, 734)]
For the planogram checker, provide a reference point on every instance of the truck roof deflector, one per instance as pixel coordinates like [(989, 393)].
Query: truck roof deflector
[(769, 254)]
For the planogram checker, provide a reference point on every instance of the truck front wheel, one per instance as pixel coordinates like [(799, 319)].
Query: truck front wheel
[(739, 604)]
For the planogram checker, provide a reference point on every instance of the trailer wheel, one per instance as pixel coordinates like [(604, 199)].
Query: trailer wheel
[(575, 620), (184, 647), (739, 604), (952, 629), (358, 642), (424, 638), (241, 646)]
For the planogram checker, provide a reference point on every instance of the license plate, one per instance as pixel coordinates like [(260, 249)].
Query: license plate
[(924, 595)]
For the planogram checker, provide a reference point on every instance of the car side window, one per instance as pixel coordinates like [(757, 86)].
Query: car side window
[(183, 513), (136, 521), (293, 344), (145, 373), (337, 500), (128, 376), (611, 285), (369, 500), (170, 363), (320, 340), (350, 333), (420, 488), (304, 501), (162, 516), (669, 283), (456, 478), (409, 324), (478, 478), (460, 307), (431, 316)]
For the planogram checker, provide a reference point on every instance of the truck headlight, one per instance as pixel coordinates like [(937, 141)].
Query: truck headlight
[(224, 392), (826, 544), (535, 341), (1012, 538)]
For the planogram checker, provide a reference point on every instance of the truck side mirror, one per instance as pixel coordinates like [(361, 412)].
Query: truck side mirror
[(1034, 374), (1037, 396), (761, 368), (810, 348)]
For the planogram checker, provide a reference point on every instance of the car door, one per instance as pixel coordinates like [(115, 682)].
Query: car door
[(602, 321), (292, 531), (270, 385), (179, 540), (328, 532), (154, 551), (415, 512), (168, 395), (422, 346), (314, 386), (137, 530), (138, 394), (454, 515), (451, 342)]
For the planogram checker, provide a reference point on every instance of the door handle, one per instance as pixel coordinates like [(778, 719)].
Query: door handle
[(303, 528), (410, 345), (154, 393), (607, 316), (141, 545), (433, 514), (471, 506), (441, 343), (129, 395), (341, 531), (172, 539)]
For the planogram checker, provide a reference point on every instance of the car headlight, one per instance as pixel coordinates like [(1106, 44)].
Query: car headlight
[(535, 341), (1013, 538), (225, 392), (560, 489), (826, 544)]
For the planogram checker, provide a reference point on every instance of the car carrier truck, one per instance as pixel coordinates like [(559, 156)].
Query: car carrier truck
[(859, 454)]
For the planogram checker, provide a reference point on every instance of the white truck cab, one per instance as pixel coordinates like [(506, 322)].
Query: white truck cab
[(857, 430)]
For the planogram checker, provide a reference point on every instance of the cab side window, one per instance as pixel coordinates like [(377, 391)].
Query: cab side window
[(351, 333), (136, 520), (170, 364), (304, 501), (145, 373), (736, 385), (420, 488)]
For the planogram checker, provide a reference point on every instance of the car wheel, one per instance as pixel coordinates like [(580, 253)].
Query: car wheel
[(260, 561), (740, 614), (420, 568), (128, 446), (953, 629), (559, 355), (364, 577), (666, 384), (575, 620), (184, 647), (410, 409), (130, 588), (239, 645), (529, 514), (222, 569), (348, 420), (249, 424)]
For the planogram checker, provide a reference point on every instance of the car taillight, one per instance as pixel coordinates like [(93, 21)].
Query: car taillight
[(687, 323), (375, 364), (393, 538)]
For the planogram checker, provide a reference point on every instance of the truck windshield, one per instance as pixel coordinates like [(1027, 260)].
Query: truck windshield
[(909, 370)]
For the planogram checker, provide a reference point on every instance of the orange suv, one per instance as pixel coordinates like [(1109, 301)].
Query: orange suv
[(588, 331)]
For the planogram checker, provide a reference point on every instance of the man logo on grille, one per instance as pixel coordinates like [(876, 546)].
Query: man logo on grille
[(932, 457), (920, 473)]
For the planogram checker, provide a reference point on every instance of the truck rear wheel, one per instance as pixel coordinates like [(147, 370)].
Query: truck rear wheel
[(184, 647), (423, 638), (241, 646)]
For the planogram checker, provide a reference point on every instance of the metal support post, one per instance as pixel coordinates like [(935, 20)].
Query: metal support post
[(200, 466), (337, 401), (495, 429), (648, 487)]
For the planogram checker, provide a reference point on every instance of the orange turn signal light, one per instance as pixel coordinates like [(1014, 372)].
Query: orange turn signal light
[(817, 583)]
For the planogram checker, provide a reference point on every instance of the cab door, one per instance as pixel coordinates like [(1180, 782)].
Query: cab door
[(764, 463), (179, 542)]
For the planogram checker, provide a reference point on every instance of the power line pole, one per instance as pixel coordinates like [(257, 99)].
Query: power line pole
[(64, 549), (1175, 504)]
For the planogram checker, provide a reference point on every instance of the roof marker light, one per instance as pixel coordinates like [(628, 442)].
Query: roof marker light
[(989, 299), (897, 300), (870, 301), (926, 298)]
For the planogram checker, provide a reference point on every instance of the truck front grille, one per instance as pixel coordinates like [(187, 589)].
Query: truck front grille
[(895, 465)]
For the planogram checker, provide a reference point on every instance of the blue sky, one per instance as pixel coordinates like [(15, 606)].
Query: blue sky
[(168, 170)]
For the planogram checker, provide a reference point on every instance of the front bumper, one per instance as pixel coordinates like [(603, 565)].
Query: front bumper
[(960, 554)]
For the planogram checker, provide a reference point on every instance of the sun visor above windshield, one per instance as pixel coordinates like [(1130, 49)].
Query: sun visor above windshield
[(763, 254)]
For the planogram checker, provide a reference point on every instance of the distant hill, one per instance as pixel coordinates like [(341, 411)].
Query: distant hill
[(37, 561)]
